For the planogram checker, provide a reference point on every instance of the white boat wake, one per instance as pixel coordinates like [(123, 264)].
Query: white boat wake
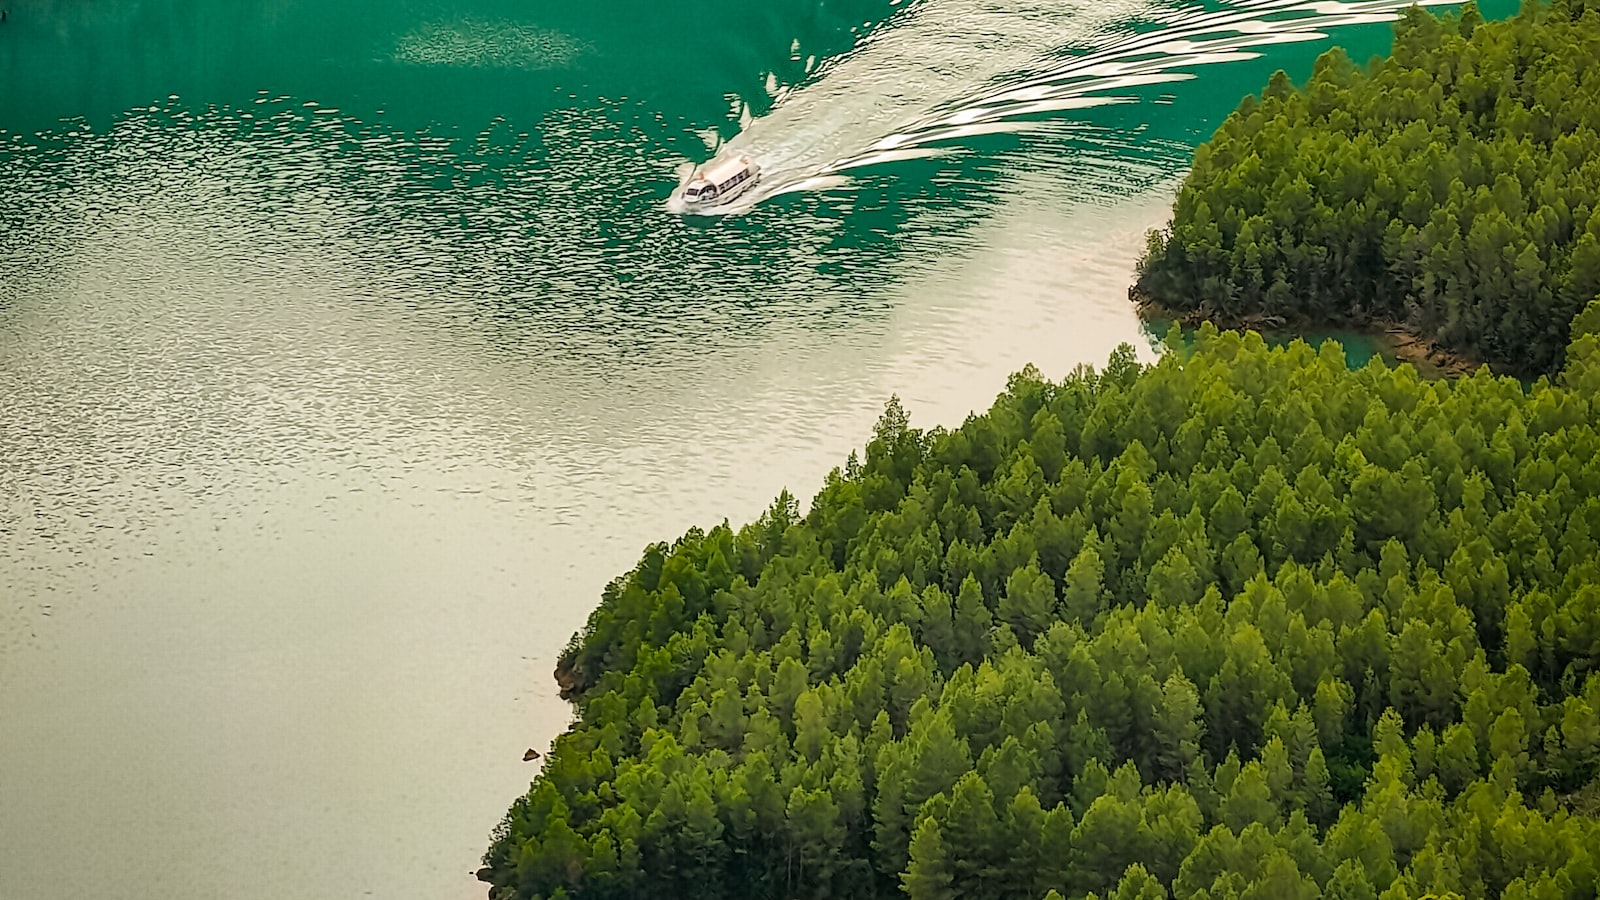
[(1002, 63)]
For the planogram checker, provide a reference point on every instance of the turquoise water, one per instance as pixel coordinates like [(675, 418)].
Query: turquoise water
[(1359, 347), (347, 349)]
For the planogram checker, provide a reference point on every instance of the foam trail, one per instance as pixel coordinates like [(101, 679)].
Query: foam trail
[(929, 52), (947, 70)]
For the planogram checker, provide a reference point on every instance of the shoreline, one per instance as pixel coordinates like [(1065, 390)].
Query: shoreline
[(1420, 351), (1403, 342)]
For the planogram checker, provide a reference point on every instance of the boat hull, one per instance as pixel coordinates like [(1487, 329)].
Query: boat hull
[(722, 199)]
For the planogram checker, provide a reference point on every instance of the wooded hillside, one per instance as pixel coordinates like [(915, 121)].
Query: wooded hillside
[(1244, 623), (1452, 189)]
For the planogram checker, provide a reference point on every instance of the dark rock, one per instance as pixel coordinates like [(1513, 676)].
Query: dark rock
[(568, 679)]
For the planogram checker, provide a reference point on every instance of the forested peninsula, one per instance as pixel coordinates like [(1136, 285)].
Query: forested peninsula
[(1245, 623), (1450, 190)]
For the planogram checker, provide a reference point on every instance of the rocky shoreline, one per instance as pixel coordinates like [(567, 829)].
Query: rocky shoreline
[(1424, 352), (1401, 341)]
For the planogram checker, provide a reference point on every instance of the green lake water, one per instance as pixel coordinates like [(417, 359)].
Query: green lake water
[(347, 349)]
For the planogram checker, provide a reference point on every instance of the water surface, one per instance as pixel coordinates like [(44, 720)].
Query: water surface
[(347, 349)]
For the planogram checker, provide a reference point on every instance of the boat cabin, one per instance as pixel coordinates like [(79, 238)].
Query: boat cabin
[(721, 180)]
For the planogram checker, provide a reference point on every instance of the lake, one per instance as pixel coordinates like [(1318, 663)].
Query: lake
[(347, 350)]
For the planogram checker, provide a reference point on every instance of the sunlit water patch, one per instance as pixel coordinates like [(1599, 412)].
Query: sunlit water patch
[(472, 43)]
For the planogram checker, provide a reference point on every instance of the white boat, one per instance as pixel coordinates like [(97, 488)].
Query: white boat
[(719, 181)]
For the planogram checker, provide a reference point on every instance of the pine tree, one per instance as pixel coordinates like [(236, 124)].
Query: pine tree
[(928, 875)]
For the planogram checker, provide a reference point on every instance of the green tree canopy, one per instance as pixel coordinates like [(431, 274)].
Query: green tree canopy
[(1451, 188), (1410, 706)]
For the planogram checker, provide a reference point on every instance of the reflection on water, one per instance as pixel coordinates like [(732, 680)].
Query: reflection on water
[(468, 42), (325, 426)]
